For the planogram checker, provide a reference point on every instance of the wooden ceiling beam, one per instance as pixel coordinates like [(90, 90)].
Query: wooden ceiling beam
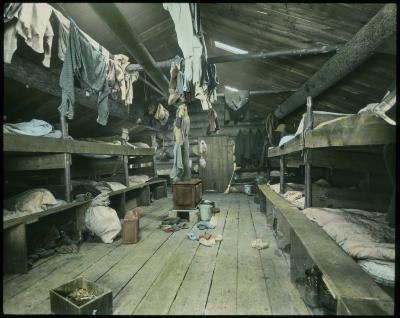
[(353, 54), (117, 23), (249, 56), (264, 92)]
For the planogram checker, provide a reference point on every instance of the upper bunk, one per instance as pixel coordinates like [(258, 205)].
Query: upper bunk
[(352, 130), (32, 88), (20, 143)]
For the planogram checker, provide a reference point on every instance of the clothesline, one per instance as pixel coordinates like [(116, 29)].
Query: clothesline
[(83, 57)]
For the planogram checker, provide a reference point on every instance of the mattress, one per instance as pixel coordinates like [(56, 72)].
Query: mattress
[(365, 236)]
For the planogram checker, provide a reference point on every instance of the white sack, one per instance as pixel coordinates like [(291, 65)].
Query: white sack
[(102, 220)]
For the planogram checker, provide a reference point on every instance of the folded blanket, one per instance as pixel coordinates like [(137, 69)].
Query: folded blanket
[(138, 179)]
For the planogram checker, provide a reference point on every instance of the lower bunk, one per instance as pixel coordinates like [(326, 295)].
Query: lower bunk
[(341, 260)]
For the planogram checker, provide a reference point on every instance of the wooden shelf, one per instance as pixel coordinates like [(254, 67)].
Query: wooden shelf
[(18, 143), (352, 130), (347, 131), (30, 217), (292, 146)]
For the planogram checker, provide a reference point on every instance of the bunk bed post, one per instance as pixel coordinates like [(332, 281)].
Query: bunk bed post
[(126, 171), (125, 158), (307, 181), (308, 125), (67, 161), (282, 174), (14, 244), (154, 145)]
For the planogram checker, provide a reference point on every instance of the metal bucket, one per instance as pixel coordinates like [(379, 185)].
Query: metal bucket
[(208, 202), (248, 189), (205, 212)]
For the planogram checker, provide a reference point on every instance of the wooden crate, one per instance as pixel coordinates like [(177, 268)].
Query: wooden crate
[(191, 215), (187, 194), (61, 305)]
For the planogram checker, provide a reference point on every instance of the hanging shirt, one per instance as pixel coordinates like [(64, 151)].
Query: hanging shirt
[(33, 25), (213, 125), (239, 147), (90, 67), (124, 79), (63, 35)]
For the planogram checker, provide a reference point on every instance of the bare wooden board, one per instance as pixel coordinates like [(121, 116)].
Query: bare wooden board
[(15, 249), (73, 266), (45, 267), (354, 161), (353, 130), (26, 218), (40, 162), (19, 143), (96, 270), (222, 295), (283, 295), (101, 266), (192, 295), (291, 146), (161, 294), (24, 301), (118, 276), (130, 296), (327, 255), (252, 295)]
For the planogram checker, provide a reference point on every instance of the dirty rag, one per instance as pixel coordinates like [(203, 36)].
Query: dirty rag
[(259, 244), (203, 225), (192, 236), (209, 239)]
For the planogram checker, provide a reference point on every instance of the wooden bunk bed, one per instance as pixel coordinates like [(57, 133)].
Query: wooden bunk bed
[(329, 145), (310, 246), (32, 154)]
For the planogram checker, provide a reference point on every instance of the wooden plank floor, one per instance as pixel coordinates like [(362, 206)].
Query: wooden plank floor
[(169, 274)]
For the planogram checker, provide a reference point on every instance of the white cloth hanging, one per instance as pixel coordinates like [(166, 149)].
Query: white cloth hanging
[(33, 24), (189, 43)]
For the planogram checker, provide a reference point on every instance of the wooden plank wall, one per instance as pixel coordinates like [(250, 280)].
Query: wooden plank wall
[(198, 131), (219, 167)]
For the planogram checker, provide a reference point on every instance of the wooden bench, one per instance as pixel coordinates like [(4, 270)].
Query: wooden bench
[(14, 230), (14, 233), (310, 246)]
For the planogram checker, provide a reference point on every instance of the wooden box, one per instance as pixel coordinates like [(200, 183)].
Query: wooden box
[(100, 305), (160, 192), (187, 194), (130, 229)]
